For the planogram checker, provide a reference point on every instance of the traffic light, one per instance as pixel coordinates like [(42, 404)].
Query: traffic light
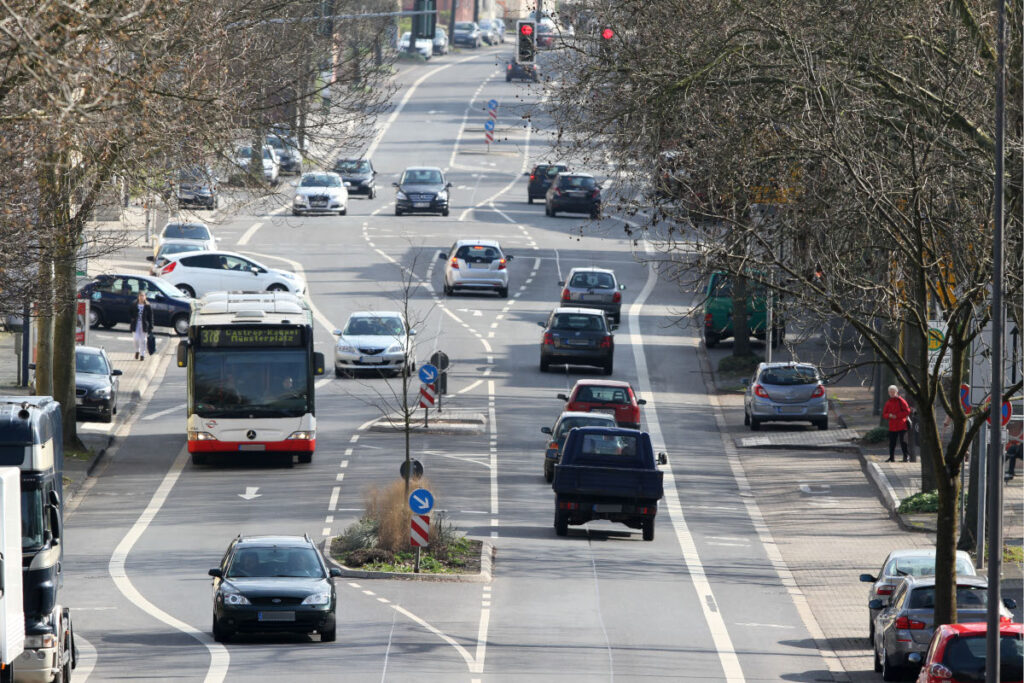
[(424, 25), (607, 33), (526, 42)]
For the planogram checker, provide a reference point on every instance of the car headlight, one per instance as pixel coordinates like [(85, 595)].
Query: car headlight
[(232, 598), (442, 196), (395, 348), (400, 195), (345, 348), (101, 393), (317, 599), (300, 199), (194, 435), (364, 182), (306, 435)]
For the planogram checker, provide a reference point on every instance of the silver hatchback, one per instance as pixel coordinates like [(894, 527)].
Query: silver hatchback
[(593, 288), (785, 392), (478, 265)]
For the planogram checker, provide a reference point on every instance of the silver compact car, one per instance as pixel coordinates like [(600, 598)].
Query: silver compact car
[(478, 265), (320, 193), (593, 288), (785, 392), (380, 341)]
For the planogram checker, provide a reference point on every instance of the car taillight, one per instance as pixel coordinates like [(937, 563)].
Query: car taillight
[(455, 263), (707, 320), (169, 267), (532, 175), (553, 445), (940, 672), (565, 294), (908, 624), (759, 391), (819, 392), (606, 343), (596, 194), (509, 67), (501, 264), (549, 340), (617, 297), (884, 590)]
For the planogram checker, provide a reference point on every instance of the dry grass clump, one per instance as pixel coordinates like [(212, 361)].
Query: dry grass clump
[(389, 507)]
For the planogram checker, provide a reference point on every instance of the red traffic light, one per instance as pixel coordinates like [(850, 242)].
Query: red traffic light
[(526, 29), (607, 33)]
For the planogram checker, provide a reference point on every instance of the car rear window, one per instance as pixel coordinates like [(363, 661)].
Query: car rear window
[(592, 281), (577, 182), (602, 395), (965, 657), (578, 321), (463, 26), (787, 377), (925, 566), (573, 422), (477, 253), (967, 597), (188, 231), (608, 444), (179, 248)]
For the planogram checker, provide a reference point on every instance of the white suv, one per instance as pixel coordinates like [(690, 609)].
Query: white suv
[(213, 271), (475, 265)]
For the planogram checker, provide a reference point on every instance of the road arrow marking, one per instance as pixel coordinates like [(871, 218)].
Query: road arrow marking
[(250, 493)]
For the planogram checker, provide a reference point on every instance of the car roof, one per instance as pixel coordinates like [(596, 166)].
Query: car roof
[(92, 350), (423, 168), (981, 627), (919, 552), (600, 383), (580, 175), (213, 252), (786, 364), (292, 541), (375, 314), (479, 242), (579, 310), (190, 223), (318, 173), (141, 277), (580, 413), (591, 269)]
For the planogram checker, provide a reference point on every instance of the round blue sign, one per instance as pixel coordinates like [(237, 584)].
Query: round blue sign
[(428, 374), (493, 104), (489, 124), (421, 501)]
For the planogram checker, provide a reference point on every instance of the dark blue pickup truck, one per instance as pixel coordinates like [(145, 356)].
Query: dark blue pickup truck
[(608, 473)]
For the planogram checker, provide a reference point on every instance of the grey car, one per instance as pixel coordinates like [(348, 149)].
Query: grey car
[(906, 562), (906, 624), (577, 336), (593, 288), (566, 421), (475, 265), (785, 392)]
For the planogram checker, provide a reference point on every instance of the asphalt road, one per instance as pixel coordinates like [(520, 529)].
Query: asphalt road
[(704, 601)]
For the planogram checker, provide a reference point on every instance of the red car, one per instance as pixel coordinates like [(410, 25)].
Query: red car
[(957, 654), (606, 396)]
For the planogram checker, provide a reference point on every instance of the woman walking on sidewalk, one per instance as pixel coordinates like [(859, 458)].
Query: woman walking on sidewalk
[(896, 411), (142, 325)]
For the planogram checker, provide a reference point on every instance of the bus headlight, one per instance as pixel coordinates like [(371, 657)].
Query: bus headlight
[(195, 435), (305, 435)]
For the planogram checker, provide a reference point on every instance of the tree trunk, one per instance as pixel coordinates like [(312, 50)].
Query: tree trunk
[(945, 548), (968, 539), (64, 325), (740, 324), (44, 329)]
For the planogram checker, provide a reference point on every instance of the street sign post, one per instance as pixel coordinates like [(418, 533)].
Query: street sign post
[(419, 536), (417, 469), (492, 111)]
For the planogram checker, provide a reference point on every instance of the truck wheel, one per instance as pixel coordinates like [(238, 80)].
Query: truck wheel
[(647, 526), (561, 523), (711, 339)]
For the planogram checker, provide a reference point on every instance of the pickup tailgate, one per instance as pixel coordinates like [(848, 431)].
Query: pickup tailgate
[(608, 482)]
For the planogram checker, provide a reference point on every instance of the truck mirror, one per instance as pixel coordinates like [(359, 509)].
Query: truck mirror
[(914, 658), (1010, 603), (182, 354), (216, 572), (318, 363), (54, 513)]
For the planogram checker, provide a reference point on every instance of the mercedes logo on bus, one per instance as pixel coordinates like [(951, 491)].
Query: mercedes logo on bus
[(251, 434)]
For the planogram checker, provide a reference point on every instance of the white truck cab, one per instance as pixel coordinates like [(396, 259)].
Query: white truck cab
[(12, 616)]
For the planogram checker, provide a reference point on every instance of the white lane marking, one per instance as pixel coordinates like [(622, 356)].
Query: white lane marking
[(335, 492), (471, 387), (219, 657), (321, 383), (754, 624), (471, 662), (87, 656), (716, 624), (558, 266), (600, 614), (244, 239), (387, 649), (494, 452), (165, 412)]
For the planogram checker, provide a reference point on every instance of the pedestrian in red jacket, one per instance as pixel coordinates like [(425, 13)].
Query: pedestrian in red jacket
[(896, 411)]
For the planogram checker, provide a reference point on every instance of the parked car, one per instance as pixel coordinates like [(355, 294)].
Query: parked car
[(170, 247), (476, 265), (594, 287), (467, 33), (359, 174), (96, 383), (422, 189), (566, 421), (523, 72), (545, 34), (424, 46), (577, 336), (785, 392), (574, 193), (197, 186), (113, 297), (320, 193), (276, 584), (440, 41), (288, 153), (216, 271), (957, 654), (380, 341), (271, 163), (607, 396), (195, 231), (905, 625), (904, 562), (540, 180), (491, 33), (717, 310)]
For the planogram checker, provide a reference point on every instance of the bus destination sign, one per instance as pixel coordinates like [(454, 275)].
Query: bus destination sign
[(250, 337)]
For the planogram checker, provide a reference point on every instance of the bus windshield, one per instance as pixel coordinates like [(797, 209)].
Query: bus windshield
[(250, 382)]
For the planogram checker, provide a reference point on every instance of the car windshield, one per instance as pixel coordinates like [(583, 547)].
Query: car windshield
[(925, 566), (602, 395), (967, 597), (320, 180), (965, 657), (422, 176), (180, 248), (551, 171), (477, 253), (374, 326), (592, 281), (573, 422), (578, 321), (789, 376), (90, 363), (250, 383), (464, 26), (167, 288), (577, 182), (606, 444), (275, 142), (275, 562), (186, 231), (361, 166), (194, 175)]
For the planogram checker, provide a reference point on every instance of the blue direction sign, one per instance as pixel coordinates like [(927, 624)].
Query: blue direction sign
[(421, 501), (428, 374), (492, 104), (489, 124)]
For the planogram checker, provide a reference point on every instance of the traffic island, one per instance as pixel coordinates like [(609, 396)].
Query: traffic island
[(448, 422), (476, 564)]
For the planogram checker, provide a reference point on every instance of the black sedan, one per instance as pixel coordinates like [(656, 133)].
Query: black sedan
[(112, 297), (95, 384), (359, 174), (273, 584), (577, 336), (422, 190), (573, 193), (540, 180), (525, 72)]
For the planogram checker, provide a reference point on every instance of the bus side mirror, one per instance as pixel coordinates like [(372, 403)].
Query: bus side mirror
[(318, 363), (182, 354)]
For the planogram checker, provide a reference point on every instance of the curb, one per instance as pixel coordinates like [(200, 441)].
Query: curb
[(452, 428), (884, 489), (487, 552)]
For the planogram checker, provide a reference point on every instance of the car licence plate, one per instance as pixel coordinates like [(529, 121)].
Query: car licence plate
[(252, 447), (371, 360), (420, 205), (577, 194), (607, 507), (606, 411), (276, 616), (78, 401), (790, 410)]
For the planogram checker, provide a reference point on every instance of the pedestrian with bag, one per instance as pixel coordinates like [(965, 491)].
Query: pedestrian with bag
[(897, 412), (142, 326), (1014, 447)]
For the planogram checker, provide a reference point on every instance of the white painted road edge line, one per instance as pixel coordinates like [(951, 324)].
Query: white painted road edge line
[(168, 411), (219, 658), (86, 660), (705, 597)]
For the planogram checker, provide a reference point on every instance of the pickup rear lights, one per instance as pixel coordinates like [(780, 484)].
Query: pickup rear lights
[(606, 342), (565, 505), (908, 624), (617, 297), (759, 391), (168, 268), (819, 392), (455, 263), (549, 339), (940, 672), (707, 320), (565, 294)]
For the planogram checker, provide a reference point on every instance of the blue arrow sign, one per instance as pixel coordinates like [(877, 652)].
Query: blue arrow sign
[(421, 501), (493, 104), (489, 124), (428, 374)]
